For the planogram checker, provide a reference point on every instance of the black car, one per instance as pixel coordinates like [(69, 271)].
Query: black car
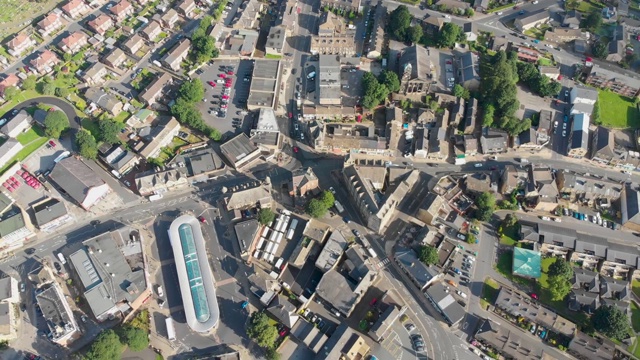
[(57, 266), (30, 251), (293, 71)]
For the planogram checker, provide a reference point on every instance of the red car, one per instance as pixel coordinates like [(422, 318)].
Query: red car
[(223, 106), (290, 115), (221, 75), (52, 143), (373, 302), (202, 219), (534, 296), (211, 83), (227, 85), (229, 72), (295, 149), (225, 97)]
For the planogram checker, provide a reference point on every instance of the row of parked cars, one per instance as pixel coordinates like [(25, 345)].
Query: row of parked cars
[(595, 219)]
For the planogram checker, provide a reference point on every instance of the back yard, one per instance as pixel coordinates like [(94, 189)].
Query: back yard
[(617, 111)]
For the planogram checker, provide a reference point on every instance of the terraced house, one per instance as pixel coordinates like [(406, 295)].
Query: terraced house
[(45, 61), (73, 43), (121, 10), (101, 24), (49, 24), (19, 44), (75, 8)]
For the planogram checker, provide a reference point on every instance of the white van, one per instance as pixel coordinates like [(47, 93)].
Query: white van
[(61, 258)]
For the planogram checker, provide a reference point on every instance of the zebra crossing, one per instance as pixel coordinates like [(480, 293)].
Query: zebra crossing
[(383, 263)]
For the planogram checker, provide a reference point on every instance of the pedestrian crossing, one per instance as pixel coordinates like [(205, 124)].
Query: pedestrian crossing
[(383, 263)]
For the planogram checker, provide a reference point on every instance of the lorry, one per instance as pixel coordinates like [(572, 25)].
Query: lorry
[(171, 331)]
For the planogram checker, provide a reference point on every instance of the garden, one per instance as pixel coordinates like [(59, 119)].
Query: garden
[(617, 111)]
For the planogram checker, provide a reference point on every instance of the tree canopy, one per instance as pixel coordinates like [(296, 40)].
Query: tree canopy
[(374, 91), (601, 48), (414, 34), (29, 83), (428, 255), (327, 198), (390, 80), (558, 287), (259, 329), (203, 46), (449, 35), (561, 268), (610, 321), (486, 204), (106, 346), (191, 91), (11, 92), (593, 21), (316, 208), (48, 88), (538, 83), (87, 146), (399, 22), (266, 216), (136, 339), (55, 123), (109, 130), (461, 92)]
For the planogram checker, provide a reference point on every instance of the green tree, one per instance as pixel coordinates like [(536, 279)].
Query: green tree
[(272, 354), (593, 21), (55, 123), (571, 4), (469, 12), (558, 287), (191, 91), (203, 48), (106, 346), (509, 221), (471, 238), (11, 93), (136, 339), (374, 91), (561, 268), (62, 92), (266, 216), (87, 146), (259, 329), (428, 255), (390, 80), (414, 34), (610, 321), (30, 82), (487, 118), (399, 22), (449, 34), (67, 57), (486, 204), (48, 88), (316, 208), (327, 198), (109, 130), (601, 48), (461, 92)]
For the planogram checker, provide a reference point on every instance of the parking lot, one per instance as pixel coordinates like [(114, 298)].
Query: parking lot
[(236, 118), (458, 276)]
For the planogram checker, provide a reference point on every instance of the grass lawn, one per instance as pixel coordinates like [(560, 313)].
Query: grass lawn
[(271, 56), (30, 135), (510, 235), (91, 126), (635, 316), (545, 62), (26, 151), (122, 117), (587, 6), (489, 292), (66, 82), (23, 96), (536, 33), (635, 287), (635, 349), (617, 111)]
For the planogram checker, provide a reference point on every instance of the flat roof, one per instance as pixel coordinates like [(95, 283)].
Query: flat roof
[(194, 274)]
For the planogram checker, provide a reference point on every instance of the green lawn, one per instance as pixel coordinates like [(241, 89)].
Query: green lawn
[(91, 126), (489, 291), (635, 287), (66, 82), (545, 62), (26, 151), (635, 349), (30, 135), (510, 235), (635, 316), (122, 117), (24, 95), (617, 111), (587, 6), (271, 56)]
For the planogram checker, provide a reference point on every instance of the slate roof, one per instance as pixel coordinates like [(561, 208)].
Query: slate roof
[(75, 178)]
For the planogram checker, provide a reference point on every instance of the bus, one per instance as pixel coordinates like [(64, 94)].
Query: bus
[(171, 331), (290, 234), (279, 238)]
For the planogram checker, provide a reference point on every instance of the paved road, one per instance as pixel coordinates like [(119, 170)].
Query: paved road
[(68, 109)]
